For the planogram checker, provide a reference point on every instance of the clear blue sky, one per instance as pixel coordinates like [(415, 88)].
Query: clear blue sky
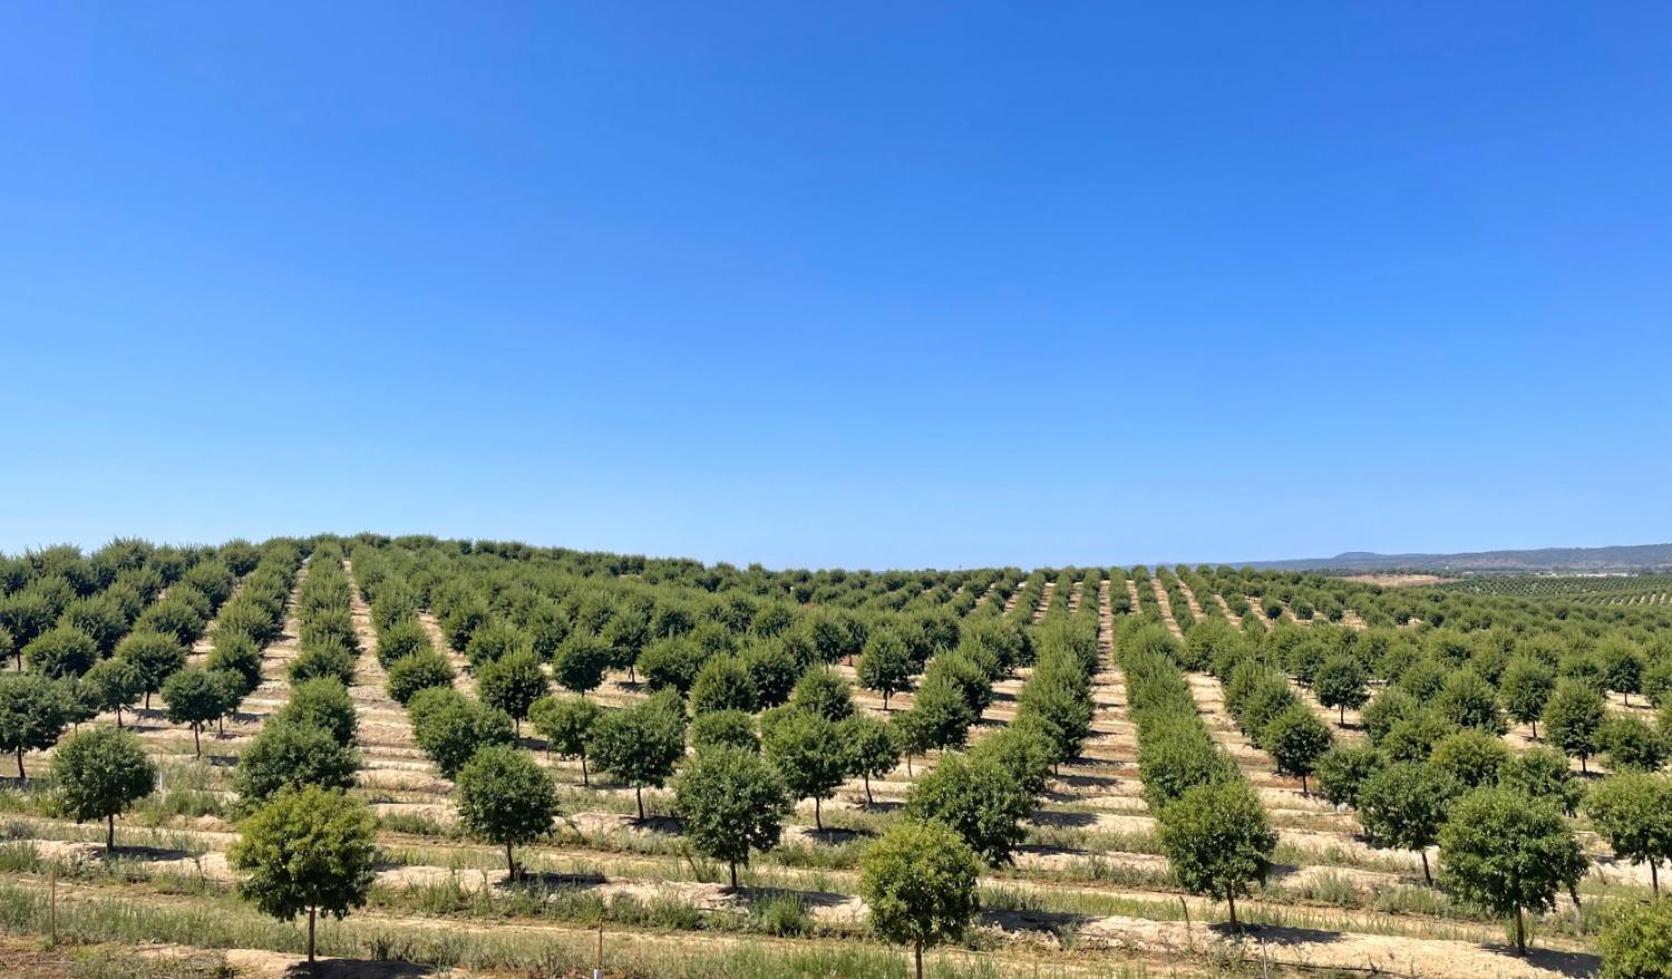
[(861, 284)]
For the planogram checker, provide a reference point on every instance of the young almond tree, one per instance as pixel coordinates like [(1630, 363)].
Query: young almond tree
[(99, 773), (732, 801), (311, 850), (919, 883), (641, 744), (505, 798), (1218, 841), (1634, 813), (1507, 853), (1403, 805)]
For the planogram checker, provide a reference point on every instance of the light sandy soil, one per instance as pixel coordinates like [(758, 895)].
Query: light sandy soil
[(1398, 580)]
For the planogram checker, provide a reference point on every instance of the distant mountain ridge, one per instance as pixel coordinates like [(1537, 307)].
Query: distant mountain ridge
[(1634, 557)]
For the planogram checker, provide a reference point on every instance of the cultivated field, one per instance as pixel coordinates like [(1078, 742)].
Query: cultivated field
[(553, 752)]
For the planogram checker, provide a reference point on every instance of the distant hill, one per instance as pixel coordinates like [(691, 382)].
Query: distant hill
[(1635, 557)]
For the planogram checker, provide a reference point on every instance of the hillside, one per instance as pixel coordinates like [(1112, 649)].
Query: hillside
[(1635, 557)]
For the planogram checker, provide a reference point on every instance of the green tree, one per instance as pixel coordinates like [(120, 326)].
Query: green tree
[(324, 703), (1471, 757), (309, 850), (885, 665), (455, 727), (1573, 719), (1507, 853), (567, 724), (1526, 687), (978, 800), (31, 715), (641, 744), (824, 691), (869, 749), (1634, 813), (1636, 941), (193, 698), (1218, 841), (919, 881), (731, 801), (1340, 683), (64, 651), (1466, 700), (1296, 739), (419, 671), (155, 656), (803, 747), (1343, 768), (773, 671), (504, 798), (114, 684), (671, 663), (732, 728), (99, 773), (580, 662), (1404, 805), (291, 756), (1622, 666), (1543, 773), (943, 716), (723, 683), (1022, 748), (512, 684), (1631, 744)]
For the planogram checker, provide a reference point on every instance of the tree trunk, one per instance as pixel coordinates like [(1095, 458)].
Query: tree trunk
[(908, 766), (118, 718), (638, 793), (917, 957), (1520, 933), (868, 800), (1582, 769), (510, 863), (1231, 901), (885, 700), (220, 725), (1654, 878), (734, 875), (197, 743), (818, 820), (1304, 792), (585, 779), (110, 833), (1343, 715), (22, 776), (1426, 876), (147, 700), (1534, 723), (313, 912)]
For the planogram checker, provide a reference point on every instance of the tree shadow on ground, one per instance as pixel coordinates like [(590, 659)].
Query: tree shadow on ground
[(836, 836), (358, 969), (1278, 935), (1058, 818), (546, 880)]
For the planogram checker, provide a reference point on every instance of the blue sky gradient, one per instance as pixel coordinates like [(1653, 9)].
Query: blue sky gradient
[(929, 284)]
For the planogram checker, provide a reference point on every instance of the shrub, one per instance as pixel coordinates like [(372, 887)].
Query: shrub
[(326, 659), (512, 684), (1472, 758), (731, 728), (1636, 941), (1343, 768), (1296, 740), (154, 655)]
